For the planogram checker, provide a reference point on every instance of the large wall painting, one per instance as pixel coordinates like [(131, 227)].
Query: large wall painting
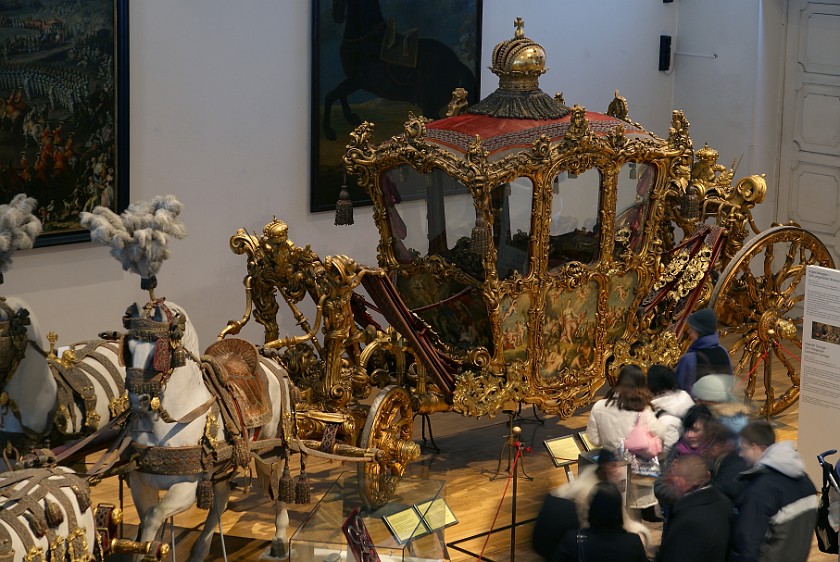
[(64, 109)]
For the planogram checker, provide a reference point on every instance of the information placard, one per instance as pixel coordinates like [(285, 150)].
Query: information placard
[(436, 514), (406, 524), (563, 450)]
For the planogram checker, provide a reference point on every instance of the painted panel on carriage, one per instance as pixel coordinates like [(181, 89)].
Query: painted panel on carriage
[(619, 303), (514, 312), (568, 332), (457, 315)]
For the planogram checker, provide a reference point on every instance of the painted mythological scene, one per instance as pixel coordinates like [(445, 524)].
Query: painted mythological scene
[(569, 330), (57, 113)]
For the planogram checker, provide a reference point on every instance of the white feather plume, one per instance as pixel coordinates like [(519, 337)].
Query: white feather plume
[(138, 237), (18, 228)]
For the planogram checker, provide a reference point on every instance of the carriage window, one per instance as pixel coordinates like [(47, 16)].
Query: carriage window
[(512, 226), (635, 183), (429, 214), (575, 226)]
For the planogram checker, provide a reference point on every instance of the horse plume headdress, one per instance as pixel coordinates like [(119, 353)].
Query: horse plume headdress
[(18, 228), (138, 237)]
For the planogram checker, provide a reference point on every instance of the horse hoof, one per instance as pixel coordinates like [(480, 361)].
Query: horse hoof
[(279, 549)]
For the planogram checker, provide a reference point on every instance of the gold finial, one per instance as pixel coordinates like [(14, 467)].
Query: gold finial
[(519, 24), (52, 337)]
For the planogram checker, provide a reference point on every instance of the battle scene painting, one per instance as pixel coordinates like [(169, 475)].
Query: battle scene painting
[(63, 109), (378, 60)]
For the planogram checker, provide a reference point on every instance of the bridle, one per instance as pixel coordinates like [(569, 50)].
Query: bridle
[(169, 353)]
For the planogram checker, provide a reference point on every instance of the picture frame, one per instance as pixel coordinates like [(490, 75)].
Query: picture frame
[(376, 61), (64, 112)]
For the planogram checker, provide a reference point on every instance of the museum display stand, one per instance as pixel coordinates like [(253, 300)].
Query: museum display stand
[(404, 519)]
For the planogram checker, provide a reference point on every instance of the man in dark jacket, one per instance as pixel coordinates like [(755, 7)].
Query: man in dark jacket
[(777, 511), (705, 355), (699, 522)]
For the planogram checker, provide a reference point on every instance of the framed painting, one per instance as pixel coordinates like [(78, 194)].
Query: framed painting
[(376, 60), (64, 109)]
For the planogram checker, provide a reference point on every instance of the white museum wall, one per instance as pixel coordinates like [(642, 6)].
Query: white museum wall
[(220, 104)]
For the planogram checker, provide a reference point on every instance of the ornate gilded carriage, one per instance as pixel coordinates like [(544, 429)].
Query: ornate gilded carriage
[(527, 251)]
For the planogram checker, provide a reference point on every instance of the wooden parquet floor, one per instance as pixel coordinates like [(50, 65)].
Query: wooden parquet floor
[(469, 457)]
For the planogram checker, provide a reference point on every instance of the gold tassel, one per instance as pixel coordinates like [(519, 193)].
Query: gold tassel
[(37, 523), (241, 453), (204, 495), (344, 207), (53, 513), (302, 493), (82, 496), (481, 238), (286, 486)]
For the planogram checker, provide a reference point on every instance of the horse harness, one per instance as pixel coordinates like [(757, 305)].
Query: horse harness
[(72, 376), (23, 493), (237, 396)]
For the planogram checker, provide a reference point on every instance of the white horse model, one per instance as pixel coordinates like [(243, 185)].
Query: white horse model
[(46, 515), (182, 437), (80, 392)]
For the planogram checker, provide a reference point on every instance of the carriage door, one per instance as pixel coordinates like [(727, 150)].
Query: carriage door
[(569, 322), (430, 218), (809, 177)]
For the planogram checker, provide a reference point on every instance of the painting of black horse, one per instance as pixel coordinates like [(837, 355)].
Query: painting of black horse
[(376, 60)]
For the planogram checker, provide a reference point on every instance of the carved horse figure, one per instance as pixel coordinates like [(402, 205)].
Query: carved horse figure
[(186, 436), (392, 66), (39, 392)]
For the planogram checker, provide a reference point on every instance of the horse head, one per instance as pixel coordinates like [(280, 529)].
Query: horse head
[(15, 327), (159, 338), (24, 373), (361, 16)]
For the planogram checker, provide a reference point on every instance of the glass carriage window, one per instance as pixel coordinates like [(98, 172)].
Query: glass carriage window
[(635, 183), (512, 226), (575, 225), (429, 214)]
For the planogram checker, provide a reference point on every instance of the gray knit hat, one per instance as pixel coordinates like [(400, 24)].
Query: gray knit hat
[(714, 388), (703, 321)]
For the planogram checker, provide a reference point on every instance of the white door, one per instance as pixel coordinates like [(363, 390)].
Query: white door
[(809, 174)]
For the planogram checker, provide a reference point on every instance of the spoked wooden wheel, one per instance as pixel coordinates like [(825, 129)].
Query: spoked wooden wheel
[(758, 301), (388, 428)]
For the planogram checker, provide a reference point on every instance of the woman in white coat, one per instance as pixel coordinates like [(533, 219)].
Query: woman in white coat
[(670, 404), (612, 418)]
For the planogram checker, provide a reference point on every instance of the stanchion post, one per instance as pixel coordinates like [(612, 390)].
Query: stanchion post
[(516, 450)]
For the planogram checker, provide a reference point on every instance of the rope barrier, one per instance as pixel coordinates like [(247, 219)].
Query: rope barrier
[(498, 509)]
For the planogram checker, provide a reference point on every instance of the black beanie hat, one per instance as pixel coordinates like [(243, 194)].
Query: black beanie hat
[(703, 321)]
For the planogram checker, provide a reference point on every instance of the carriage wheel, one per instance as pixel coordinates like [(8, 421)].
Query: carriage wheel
[(388, 428), (758, 301)]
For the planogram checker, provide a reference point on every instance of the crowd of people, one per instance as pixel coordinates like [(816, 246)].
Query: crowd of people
[(722, 486)]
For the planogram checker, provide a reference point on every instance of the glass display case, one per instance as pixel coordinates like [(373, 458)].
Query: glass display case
[(401, 518)]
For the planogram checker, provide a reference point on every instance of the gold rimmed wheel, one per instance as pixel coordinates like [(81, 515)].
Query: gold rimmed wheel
[(758, 301), (388, 428)]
